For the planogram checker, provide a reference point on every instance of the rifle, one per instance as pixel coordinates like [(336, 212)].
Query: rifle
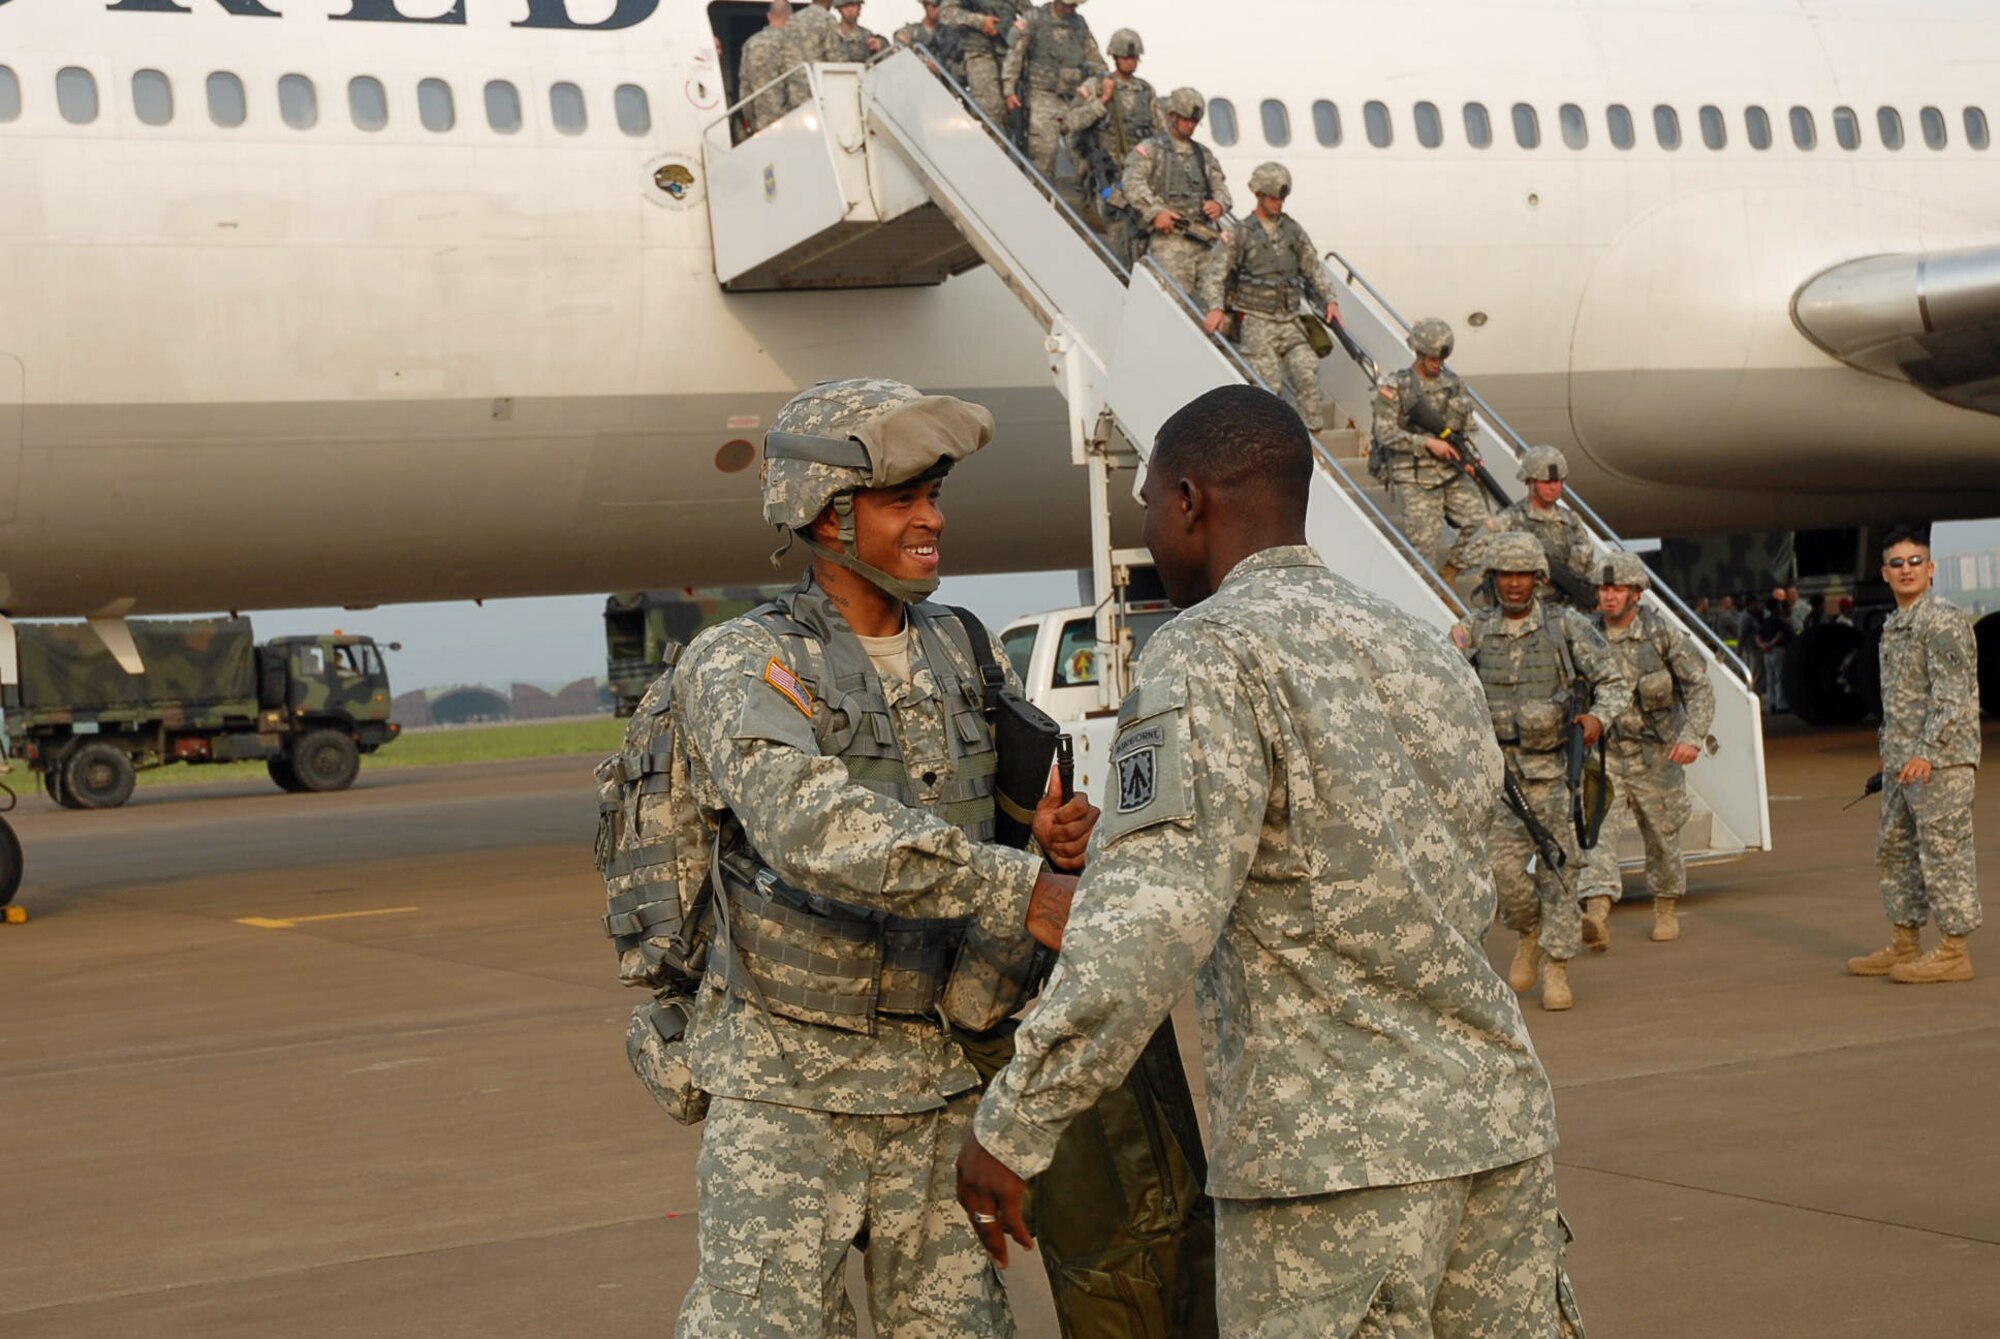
[(1430, 419), (1589, 791), (1553, 857), (1104, 179)]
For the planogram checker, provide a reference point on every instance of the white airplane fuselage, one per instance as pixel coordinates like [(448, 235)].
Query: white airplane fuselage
[(259, 365)]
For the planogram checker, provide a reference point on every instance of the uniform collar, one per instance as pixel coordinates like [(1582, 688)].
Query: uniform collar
[(1902, 618), (1270, 560)]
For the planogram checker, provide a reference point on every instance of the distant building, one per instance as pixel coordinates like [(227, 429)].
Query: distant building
[(1968, 573)]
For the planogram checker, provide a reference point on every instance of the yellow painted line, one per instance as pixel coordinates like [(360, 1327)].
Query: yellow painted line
[(271, 923)]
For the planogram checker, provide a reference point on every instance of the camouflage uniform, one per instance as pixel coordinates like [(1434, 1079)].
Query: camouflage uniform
[(1048, 59), (1672, 703), (1259, 269), (1165, 173), (1930, 710), (766, 56), (1429, 492), (944, 41), (1526, 666), (1110, 131), (810, 34), (1298, 772), (1563, 535), (983, 54), (852, 45)]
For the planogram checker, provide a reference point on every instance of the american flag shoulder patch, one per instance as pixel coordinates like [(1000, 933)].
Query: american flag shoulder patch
[(787, 683)]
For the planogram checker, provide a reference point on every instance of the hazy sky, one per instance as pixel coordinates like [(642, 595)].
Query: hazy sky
[(550, 642)]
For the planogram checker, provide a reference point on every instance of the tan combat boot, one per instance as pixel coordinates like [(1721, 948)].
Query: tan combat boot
[(1555, 986), (1947, 962), (1597, 923), (1903, 948), (1521, 975), (1666, 924)]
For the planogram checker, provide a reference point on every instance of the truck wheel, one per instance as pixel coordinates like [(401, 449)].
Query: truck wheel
[(10, 863), (326, 760), (282, 772), (97, 775)]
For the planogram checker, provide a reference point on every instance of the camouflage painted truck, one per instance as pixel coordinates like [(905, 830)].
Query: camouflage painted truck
[(309, 707), (639, 626)]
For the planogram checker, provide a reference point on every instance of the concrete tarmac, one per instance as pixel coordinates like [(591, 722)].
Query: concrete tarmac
[(301, 1066)]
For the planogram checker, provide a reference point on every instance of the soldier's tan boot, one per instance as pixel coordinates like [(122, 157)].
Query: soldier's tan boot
[(1521, 974), (1666, 921), (1555, 986), (1903, 948), (1949, 961), (1597, 923)]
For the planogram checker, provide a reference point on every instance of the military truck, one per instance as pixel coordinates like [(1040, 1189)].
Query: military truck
[(309, 707), (639, 626)]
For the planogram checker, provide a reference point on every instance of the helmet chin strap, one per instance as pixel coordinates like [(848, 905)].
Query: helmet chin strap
[(909, 592)]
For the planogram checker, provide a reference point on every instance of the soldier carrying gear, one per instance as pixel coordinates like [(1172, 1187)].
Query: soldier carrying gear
[(833, 770), (1053, 49), (945, 42), (1177, 188), (1261, 269), (1673, 706), (985, 28), (1110, 118), (1530, 658), (1572, 553), (1431, 479)]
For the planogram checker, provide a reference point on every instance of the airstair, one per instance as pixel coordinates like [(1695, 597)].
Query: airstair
[(888, 176)]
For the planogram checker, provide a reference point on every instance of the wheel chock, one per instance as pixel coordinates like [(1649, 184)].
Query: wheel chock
[(17, 915)]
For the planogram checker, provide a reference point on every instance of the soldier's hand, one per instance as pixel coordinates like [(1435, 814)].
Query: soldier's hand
[(1212, 209), (1013, 102), (1063, 827), (1110, 87), (1214, 321), (1165, 220), (992, 1197), (1593, 729), (1048, 907), (1683, 754), (874, 44), (991, 27), (1461, 636), (1916, 772), (1333, 313), (1440, 448)]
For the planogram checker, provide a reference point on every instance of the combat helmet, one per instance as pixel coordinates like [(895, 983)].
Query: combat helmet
[(1624, 569), (1271, 179), (869, 432), (1432, 338), (1187, 102), (1124, 42), (1517, 551), (1543, 464)]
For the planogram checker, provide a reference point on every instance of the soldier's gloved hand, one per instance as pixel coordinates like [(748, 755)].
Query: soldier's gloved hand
[(1214, 321), (1916, 772), (1048, 908), (1212, 209), (1062, 827), (1683, 754), (1593, 729), (992, 1197)]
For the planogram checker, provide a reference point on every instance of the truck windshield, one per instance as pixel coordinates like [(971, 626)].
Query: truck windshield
[(1019, 644), (1076, 653), (349, 661)]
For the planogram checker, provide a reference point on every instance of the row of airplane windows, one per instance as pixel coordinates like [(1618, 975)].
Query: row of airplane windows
[(298, 102), (1378, 122)]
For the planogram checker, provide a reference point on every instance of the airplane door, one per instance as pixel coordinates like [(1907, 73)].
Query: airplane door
[(13, 394)]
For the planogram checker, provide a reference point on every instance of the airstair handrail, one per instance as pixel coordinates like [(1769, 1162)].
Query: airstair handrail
[(1519, 444)]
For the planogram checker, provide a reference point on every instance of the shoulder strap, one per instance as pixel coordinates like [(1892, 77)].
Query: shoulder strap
[(1564, 660), (992, 679)]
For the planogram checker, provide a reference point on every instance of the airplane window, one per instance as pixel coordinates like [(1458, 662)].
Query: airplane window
[(1618, 120), (1713, 132), (1804, 133), (152, 97), (1430, 126), (1222, 121), (298, 102), (367, 103), (1277, 123), (1375, 116), (10, 95), (76, 95), (1890, 122), (1757, 125), (1933, 122), (566, 109), (1667, 126), (635, 110), (1478, 125), (503, 107), (1326, 123), (225, 100), (1527, 126), (1976, 133), (1576, 134), (1847, 127), (435, 105)]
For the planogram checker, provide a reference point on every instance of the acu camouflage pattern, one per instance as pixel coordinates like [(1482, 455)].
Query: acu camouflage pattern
[(766, 58), (983, 54), (1297, 771), (1049, 58), (944, 41), (796, 491), (1672, 703), (1526, 666), (1565, 539), (851, 44), (1924, 850), (1164, 173), (1428, 492), (1261, 268)]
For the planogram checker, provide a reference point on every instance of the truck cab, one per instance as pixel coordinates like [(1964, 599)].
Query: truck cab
[(332, 679)]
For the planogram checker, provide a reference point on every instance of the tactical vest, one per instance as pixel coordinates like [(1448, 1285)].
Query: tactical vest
[(1060, 48), (1131, 117), (1656, 712), (1007, 11), (1527, 681), (1181, 180), (1267, 279), (809, 958)]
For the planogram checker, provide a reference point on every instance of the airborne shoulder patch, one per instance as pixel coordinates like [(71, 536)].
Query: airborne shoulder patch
[(1138, 777), (788, 686)]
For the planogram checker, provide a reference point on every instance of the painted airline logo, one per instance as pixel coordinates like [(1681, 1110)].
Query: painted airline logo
[(540, 13)]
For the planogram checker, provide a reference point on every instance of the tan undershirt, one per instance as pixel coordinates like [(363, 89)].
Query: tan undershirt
[(891, 654)]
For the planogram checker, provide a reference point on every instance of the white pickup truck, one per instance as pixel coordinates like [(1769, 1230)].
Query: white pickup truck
[(1056, 654)]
